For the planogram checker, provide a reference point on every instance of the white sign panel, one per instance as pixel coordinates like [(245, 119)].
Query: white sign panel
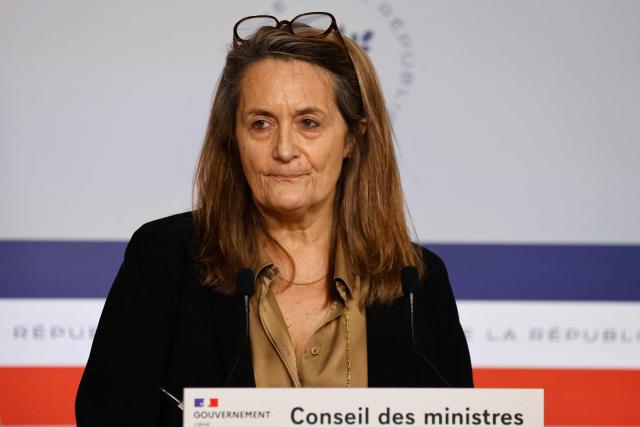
[(47, 332), (533, 334), (204, 407), (552, 334)]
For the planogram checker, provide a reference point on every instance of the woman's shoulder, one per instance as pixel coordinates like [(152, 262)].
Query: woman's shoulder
[(174, 226), (168, 241), (433, 264), (436, 277), (171, 231)]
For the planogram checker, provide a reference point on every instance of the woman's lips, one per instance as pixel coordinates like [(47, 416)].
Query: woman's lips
[(286, 177)]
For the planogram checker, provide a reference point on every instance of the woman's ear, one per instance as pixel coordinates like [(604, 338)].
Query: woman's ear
[(355, 135), (361, 128), (349, 145)]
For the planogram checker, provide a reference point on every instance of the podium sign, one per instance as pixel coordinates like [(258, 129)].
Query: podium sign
[(281, 407)]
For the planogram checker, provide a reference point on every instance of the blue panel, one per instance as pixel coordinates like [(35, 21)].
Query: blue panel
[(30, 269), (33, 269), (543, 272)]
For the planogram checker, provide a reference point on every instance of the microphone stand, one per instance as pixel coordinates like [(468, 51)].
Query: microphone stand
[(410, 285), (245, 286)]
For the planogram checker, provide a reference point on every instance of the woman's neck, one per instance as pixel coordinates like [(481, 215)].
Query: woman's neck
[(300, 229), (307, 242)]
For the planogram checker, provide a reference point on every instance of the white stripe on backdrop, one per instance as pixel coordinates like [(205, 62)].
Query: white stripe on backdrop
[(58, 332)]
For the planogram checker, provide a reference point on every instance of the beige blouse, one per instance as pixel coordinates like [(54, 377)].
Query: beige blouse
[(324, 360)]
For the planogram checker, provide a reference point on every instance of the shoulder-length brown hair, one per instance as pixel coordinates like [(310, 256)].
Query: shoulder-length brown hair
[(369, 216)]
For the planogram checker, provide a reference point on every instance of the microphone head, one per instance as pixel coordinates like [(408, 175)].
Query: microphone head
[(245, 282), (409, 279)]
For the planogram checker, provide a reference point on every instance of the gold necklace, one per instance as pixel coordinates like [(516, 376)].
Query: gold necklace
[(291, 282), (346, 320)]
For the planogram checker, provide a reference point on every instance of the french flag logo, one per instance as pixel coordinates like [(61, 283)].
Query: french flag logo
[(211, 402)]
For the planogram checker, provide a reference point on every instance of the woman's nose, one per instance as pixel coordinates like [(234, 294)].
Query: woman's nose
[(285, 147)]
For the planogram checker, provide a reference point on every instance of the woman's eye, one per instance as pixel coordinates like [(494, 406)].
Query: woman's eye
[(260, 124), (309, 123)]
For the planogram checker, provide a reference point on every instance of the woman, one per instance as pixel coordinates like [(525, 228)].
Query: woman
[(297, 180)]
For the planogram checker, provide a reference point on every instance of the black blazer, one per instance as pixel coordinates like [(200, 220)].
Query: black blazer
[(160, 327)]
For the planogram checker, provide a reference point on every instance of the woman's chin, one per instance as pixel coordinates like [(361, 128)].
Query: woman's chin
[(287, 207)]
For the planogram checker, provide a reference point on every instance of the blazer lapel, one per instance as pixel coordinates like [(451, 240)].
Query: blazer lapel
[(228, 316), (387, 343)]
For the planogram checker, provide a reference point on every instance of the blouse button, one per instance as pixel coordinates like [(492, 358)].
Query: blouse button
[(315, 350)]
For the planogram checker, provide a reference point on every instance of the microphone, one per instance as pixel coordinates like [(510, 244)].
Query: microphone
[(410, 285), (245, 286)]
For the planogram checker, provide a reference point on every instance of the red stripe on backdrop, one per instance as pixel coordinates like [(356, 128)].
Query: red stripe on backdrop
[(572, 397), (575, 396), (38, 395)]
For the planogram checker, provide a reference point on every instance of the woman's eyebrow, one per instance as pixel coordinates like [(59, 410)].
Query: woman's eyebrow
[(317, 112), (309, 110), (258, 112), (298, 112)]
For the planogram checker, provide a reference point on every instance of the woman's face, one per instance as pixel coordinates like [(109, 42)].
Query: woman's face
[(291, 136)]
